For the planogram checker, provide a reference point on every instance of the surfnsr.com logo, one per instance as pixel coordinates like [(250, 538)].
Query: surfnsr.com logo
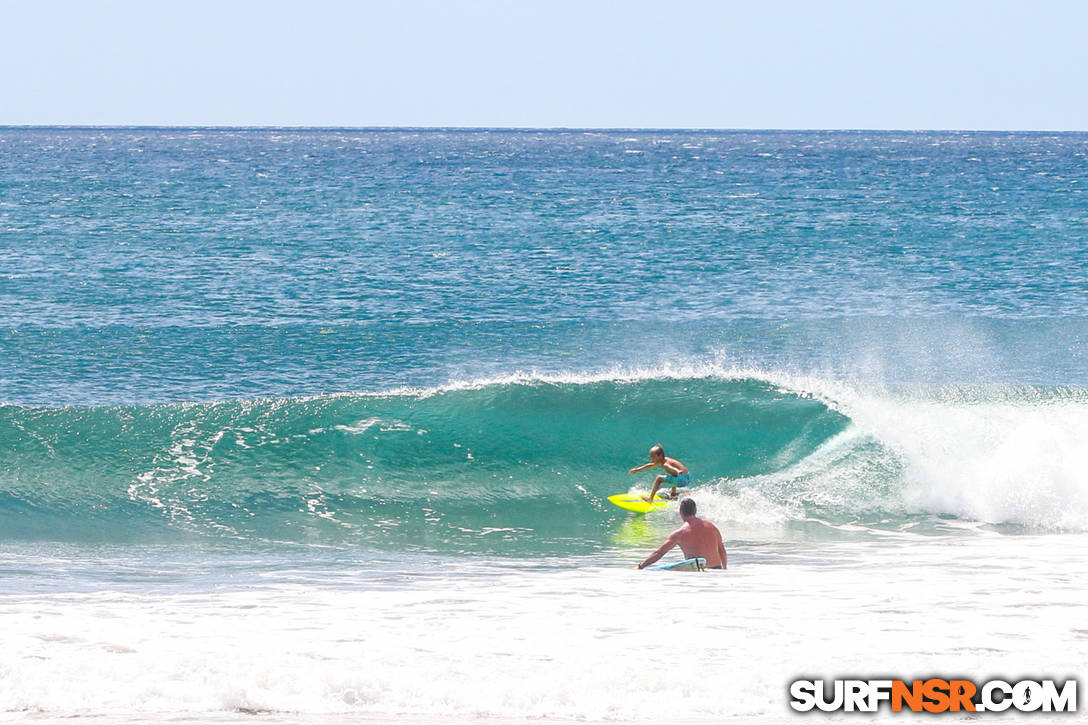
[(934, 695)]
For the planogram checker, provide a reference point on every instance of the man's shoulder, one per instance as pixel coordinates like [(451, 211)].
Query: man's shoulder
[(707, 524), (685, 528)]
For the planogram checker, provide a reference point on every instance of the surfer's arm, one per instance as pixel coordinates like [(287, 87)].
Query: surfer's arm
[(644, 467), (661, 551)]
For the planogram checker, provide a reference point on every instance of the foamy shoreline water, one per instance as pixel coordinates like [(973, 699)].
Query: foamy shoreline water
[(565, 644)]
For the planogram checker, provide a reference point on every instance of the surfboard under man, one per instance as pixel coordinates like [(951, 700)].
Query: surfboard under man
[(676, 473), (697, 537)]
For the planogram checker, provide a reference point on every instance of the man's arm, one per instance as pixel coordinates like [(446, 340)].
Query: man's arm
[(661, 551), (645, 467), (721, 548)]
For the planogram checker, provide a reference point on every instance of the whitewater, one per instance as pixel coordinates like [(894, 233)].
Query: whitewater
[(308, 425)]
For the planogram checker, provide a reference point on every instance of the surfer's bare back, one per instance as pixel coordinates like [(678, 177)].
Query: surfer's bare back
[(697, 537)]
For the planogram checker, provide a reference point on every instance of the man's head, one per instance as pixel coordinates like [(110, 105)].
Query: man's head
[(657, 453), (687, 508)]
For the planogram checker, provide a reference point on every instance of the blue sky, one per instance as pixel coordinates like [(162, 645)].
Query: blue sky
[(765, 64)]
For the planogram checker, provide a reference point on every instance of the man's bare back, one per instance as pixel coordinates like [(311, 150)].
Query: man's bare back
[(697, 537)]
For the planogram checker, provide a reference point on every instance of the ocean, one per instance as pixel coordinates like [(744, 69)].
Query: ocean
[(319, 425)]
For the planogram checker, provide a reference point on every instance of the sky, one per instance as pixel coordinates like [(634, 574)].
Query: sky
[(846, 64)]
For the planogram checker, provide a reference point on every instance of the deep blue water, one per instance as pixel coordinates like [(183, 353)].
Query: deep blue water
[(167, 264)]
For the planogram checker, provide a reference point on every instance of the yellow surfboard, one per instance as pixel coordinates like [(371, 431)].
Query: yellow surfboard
[(634, 502)]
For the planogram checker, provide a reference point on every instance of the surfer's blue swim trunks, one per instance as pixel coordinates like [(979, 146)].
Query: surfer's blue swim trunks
[(684, 479)]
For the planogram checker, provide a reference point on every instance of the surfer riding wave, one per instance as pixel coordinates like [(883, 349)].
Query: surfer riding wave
[(676, 473)]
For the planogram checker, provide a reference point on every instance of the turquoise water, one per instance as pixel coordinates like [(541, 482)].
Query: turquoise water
[(310, 373), (519, 468)]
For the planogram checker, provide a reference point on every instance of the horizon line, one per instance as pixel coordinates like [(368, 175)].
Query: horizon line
[(642, 129)]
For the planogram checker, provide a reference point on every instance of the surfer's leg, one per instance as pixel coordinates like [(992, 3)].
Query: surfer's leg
[(657, 485)]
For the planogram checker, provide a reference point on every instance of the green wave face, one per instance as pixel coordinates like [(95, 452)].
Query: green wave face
[(517, 468)]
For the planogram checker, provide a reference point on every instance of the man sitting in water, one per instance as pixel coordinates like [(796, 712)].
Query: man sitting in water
[(697, 537), (677, 472)]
